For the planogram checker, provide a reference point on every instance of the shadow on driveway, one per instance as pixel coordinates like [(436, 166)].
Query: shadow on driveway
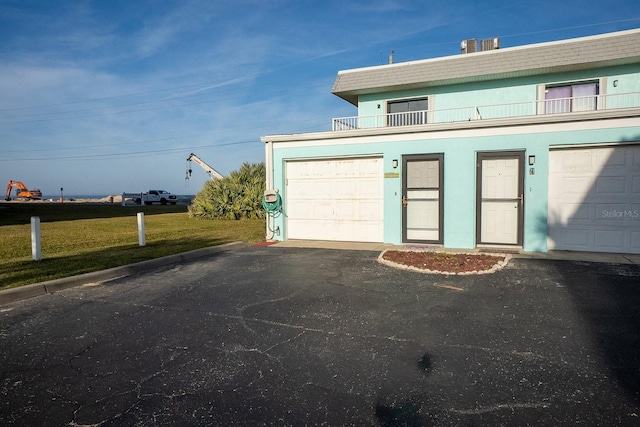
[(607, 297)]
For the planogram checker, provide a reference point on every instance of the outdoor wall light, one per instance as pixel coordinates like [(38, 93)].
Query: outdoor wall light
[(532, 160), (615, 83), (394, 163)]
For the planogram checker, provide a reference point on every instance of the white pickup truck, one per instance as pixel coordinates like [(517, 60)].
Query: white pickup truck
[(156, 196)]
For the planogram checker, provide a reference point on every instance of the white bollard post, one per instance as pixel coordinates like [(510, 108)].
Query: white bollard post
[(36, 251), (141, 240)]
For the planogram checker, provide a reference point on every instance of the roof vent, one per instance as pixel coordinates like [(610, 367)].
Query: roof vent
[(490, 44), (469, 46)]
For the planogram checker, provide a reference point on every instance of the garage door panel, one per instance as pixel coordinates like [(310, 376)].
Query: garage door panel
[(611, 185), (346, 188), (362, 232), (566, 188), (310, 229), (356, 210), (609, 238), (580, 161), (594, 199), (562, 213), (371, 210), (308, 188), (575, 212), (333, 230), (371, 169), (611, 159), (335, 199), (574, 238), (369, 187), (610, 213), (635, 241), (306, 208), (322, 210)]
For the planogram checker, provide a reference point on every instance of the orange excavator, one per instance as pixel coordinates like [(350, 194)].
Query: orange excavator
[(22, 192)]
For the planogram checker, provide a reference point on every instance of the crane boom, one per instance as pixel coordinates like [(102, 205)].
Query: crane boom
[(213, 174)]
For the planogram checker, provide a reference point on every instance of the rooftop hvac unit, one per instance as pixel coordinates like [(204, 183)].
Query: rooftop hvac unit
[(469, 46), (490, 44)]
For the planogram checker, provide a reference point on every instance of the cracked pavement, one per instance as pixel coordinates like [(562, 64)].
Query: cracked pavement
[(286, 336)]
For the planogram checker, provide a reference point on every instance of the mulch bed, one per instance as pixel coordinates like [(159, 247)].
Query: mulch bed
[(442, 261)]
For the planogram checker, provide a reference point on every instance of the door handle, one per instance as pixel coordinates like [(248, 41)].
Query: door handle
[(405, 202), (521, 198)]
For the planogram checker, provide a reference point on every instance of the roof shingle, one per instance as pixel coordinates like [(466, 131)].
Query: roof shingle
[(610, 49)]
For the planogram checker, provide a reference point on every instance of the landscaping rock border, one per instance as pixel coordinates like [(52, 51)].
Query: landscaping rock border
[(498, 266)]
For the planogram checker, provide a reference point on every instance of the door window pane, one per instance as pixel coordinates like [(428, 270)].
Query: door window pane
[(423, 174)]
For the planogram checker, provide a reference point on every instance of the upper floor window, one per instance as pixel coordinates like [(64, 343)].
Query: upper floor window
[(407, 112), (566, 98)]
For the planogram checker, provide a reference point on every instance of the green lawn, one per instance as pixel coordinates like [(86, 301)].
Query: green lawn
[(80, 238)]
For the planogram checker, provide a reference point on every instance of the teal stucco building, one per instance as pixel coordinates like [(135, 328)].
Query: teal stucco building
[(534, 148)]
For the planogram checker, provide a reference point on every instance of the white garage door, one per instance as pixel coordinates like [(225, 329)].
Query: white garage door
[(594, 199), (335, 199)]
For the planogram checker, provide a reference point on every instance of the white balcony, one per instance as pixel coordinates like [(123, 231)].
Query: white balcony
[(490, 112)]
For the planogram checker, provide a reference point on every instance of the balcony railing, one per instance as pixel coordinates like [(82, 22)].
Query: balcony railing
[(490, 112)]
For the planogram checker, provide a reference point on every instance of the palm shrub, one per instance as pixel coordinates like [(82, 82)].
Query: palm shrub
[(237, 196)]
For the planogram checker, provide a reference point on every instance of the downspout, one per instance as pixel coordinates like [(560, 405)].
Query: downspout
[(269, 235)]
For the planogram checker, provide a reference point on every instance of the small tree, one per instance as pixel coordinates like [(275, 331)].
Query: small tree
[(237, 196)]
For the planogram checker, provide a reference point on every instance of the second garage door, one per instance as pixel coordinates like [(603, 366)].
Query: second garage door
[(594, 199), (335, 199)]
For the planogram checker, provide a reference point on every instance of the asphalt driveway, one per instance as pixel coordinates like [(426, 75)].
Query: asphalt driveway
[(289, 336)]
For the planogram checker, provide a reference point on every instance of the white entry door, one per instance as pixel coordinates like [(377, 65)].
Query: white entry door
[(422, 192), (335, 199), (500, 181)]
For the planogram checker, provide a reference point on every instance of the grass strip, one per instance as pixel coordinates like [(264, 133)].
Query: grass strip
[(81, 238)]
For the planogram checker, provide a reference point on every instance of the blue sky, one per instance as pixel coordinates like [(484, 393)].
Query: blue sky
[(103, 97)]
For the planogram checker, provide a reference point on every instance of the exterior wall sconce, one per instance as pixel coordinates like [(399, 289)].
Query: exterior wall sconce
[(615, 83), (394, 163), (532, 160)]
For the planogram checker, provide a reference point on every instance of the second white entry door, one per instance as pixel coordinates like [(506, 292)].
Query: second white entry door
[(500, 198)]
